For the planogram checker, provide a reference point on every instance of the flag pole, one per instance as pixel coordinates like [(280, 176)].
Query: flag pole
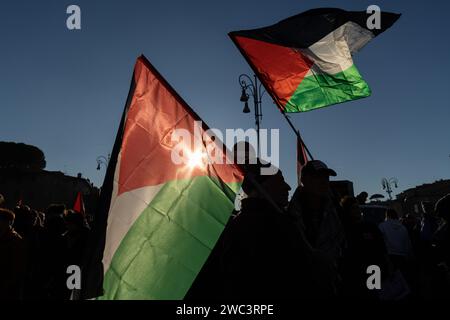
[(257, 96), (297, 132)]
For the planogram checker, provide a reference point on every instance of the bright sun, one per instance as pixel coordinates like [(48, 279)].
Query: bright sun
[(195, 160)]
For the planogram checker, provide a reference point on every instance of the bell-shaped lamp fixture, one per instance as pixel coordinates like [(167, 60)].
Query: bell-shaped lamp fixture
[(246, 108)]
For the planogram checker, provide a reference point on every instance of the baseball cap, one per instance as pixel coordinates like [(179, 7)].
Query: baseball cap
[(316, 166)]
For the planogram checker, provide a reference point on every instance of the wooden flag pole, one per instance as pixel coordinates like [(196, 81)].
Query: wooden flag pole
[(297, 132)]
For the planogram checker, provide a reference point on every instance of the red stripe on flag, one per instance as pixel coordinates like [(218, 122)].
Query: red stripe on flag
[(281, 69), (155, 112)]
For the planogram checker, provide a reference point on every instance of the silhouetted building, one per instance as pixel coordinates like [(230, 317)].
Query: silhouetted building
[(411, 199), (39, 188)]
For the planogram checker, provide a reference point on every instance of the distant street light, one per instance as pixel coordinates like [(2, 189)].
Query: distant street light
[(102, 160), (387, 185)]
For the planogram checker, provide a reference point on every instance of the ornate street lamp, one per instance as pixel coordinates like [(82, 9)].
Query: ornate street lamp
[(387, 185), (102, 160), (254, 89)]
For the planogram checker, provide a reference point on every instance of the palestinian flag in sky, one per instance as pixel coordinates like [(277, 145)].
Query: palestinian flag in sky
[(158, 220), (305, 61)]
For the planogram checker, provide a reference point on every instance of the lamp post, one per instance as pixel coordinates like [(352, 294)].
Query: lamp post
[(256, 91), (102, 160), (387, 185)]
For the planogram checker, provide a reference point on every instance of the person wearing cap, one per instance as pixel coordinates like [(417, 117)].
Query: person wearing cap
[(317, 221), (12, 259)]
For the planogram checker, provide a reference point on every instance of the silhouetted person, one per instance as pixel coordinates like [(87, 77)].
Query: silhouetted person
[(317, 220), (428, 225), (441, 243), (396, 238), (26, 224), (398, 244), (419, 267), (245, 156), (24, 220), (12, 259), (364, 247), (258, 254), (412, 224), (263, 257), (75, 239), (76, 235), (2, 201), (53, 249), (362, 197)]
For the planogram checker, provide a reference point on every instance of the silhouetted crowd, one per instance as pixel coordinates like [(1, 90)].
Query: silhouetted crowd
[(315, 246), (321, 247), (35, 250)]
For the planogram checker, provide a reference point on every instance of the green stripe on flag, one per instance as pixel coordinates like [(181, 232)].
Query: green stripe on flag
[(320, 90), (169, 242)]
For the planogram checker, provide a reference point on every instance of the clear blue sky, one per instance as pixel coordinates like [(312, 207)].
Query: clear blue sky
[(64, 91)]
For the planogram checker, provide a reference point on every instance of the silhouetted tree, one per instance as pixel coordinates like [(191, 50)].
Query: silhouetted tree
[(22, 156)]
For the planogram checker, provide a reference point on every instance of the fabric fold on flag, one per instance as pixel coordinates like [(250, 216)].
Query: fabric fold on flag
[(305, 62)]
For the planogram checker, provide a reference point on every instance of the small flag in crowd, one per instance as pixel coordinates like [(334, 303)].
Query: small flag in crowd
[(78, 206)]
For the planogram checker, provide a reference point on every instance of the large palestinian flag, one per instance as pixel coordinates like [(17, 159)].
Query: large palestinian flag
[(163, 218), (305, 61)]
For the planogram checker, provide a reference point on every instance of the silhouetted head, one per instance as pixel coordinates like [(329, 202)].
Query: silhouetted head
[(74, 220), (25, 218), (273, 185), (351, 210), (442, 208), (316, 177), (362, 197), (391, 214), (54, 218), (55, 209), (6, 221)]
